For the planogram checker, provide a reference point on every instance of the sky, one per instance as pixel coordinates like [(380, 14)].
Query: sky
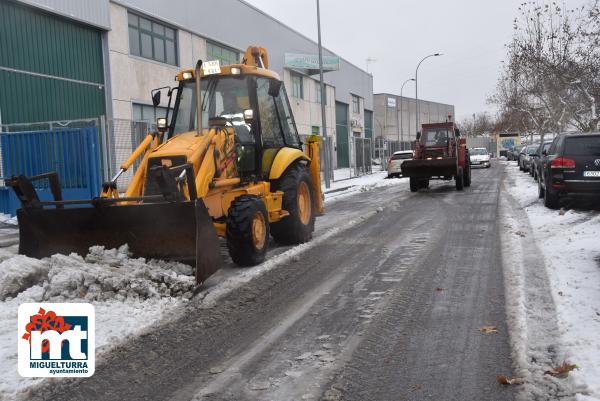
[(471, 34)]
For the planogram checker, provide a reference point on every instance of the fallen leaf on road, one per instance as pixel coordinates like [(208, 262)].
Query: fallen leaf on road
[(508, 381), (417, 387), (488, 329), (562, 370), (439, 289)]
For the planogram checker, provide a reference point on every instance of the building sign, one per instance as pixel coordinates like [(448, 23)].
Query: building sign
[(311, 61), (391, 102)]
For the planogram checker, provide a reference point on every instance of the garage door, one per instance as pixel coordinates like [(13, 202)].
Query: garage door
[(50, 68)]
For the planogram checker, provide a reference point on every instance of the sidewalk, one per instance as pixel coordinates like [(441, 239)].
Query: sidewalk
[(346, 186)]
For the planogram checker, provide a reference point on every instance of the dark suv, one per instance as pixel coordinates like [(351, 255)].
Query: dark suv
[(570, 168), (537, 161)]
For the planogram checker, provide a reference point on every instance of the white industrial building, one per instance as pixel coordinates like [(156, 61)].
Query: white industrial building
[(395, 117), (139, 45)]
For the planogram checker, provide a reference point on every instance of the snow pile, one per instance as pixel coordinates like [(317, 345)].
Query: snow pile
[(102, 275), (568, 241), (8, 219), (129, 295), (19, 273)]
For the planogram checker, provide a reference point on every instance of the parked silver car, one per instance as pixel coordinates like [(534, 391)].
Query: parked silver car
[(394, 167), (480, 157)]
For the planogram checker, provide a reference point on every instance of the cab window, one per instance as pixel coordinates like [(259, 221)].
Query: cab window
[(290, 133), (270, 128)]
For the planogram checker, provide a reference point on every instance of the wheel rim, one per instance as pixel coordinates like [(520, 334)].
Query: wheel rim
[(304, 204), (259, 230)]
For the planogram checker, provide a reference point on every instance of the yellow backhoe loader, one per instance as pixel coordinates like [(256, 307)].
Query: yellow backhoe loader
[(226, 161)]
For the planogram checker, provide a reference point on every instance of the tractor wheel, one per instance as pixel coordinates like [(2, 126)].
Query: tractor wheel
[(298, 201), (247, 230), (459, 179), (414, 184), (467, 175)]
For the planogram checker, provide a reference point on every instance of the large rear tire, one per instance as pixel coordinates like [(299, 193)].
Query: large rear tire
[(247, 231), (459, 179), (298, 201), (467, 174), (414, 184)]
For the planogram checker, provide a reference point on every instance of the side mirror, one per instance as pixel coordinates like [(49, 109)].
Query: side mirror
[(418, 135), (544, 153), (274, 87), (161, 124), (249, 116), (156, 98)]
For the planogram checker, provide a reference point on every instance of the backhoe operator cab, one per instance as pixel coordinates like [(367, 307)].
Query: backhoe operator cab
[(256, 107)]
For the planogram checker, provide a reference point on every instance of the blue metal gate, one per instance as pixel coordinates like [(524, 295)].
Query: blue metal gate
[(72, 152)]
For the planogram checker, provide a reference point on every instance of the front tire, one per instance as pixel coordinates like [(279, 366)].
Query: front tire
[(414, 184), (467, 175), (459, 179), (247, 230), (298, 201)]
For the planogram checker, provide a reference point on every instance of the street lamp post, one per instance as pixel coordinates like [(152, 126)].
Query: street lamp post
[(328, 162), (402, 113), (417, 91)]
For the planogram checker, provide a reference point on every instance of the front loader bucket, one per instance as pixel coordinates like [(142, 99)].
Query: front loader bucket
[(178, 231), (423, 168)]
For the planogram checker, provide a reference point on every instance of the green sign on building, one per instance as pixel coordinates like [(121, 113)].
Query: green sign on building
[(311, 62)]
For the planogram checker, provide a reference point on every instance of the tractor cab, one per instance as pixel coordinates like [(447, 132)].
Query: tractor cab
[(437, 140)]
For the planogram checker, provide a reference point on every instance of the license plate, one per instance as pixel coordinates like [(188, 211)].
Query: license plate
[(591, 173)]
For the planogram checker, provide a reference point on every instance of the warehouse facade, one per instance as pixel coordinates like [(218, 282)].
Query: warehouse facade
[(395, 117), (115, 52)]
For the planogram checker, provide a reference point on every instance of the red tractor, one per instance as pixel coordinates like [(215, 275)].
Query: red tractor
[(440, 154)]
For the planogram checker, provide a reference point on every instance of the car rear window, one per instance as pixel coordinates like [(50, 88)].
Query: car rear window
[(582, 146), (402, 156), (532, 150)]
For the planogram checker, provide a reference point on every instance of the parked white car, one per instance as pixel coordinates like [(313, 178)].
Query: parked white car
[(394, 167), (479, 157)]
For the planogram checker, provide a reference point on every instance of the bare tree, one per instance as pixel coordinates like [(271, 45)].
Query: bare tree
[(549, 82)]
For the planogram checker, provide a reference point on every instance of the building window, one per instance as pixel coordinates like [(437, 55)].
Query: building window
[(355, 104), (297, 87), (152, 40), (225, 55), (146, 113), (318, 92)]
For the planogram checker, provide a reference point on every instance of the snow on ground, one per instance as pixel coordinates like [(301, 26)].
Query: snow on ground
[(8, 219), (568, 239), (342, 188), (130, 295)]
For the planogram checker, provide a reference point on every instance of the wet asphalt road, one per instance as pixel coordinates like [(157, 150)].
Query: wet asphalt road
[(389, 309)]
